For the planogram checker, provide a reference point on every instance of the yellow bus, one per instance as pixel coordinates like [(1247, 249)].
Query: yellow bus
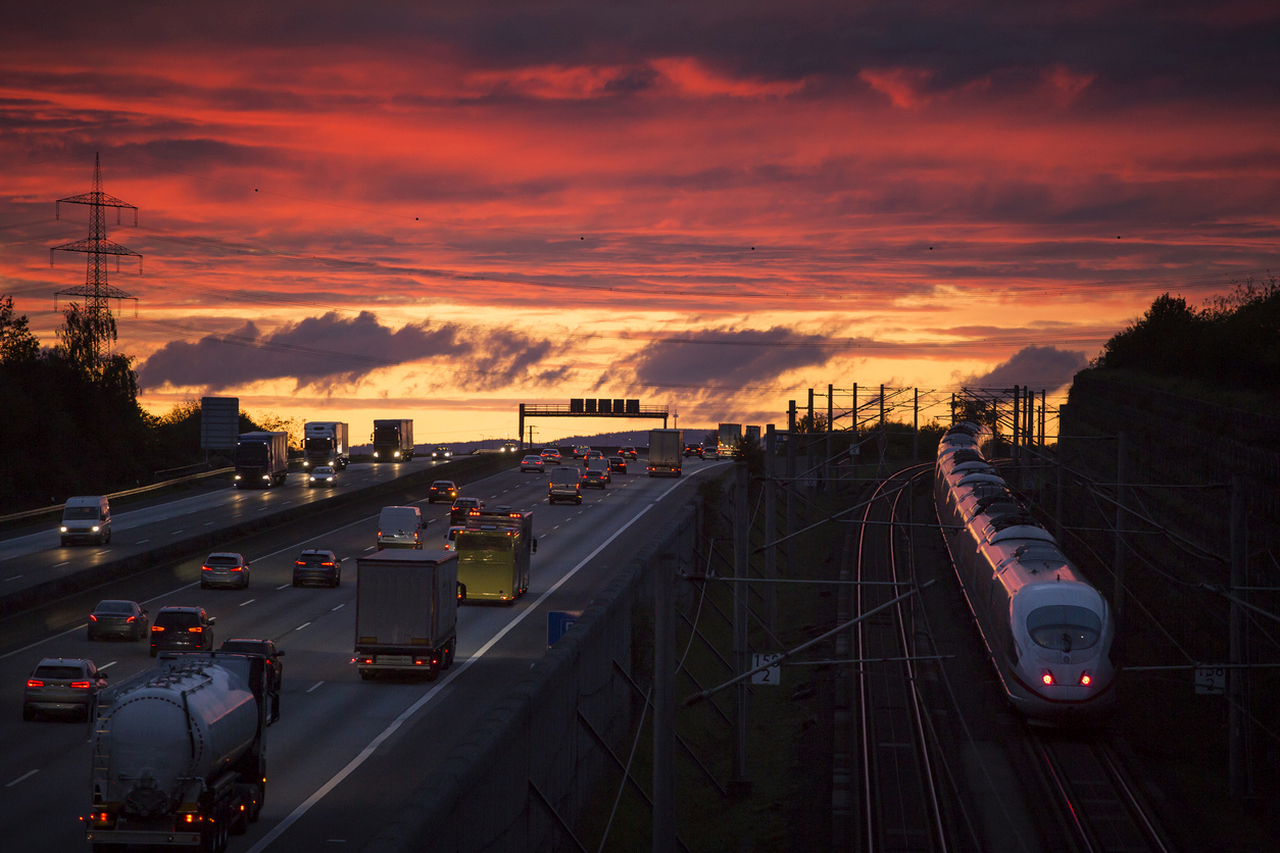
[(494, 554)]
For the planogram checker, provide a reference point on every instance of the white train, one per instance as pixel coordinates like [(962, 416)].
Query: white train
[(1047, 632)]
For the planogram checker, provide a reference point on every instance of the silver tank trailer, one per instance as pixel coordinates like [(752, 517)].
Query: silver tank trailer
[(167, 736)]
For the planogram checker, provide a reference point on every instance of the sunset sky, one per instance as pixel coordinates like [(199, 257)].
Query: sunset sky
[(438, 211)]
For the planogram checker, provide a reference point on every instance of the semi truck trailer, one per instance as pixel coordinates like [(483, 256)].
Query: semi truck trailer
[(406, 612), (262, 459), (178, 756), (325, 443), (666, 458), (392, 440)]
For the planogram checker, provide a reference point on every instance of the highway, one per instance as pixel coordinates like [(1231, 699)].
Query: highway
[(346, 753)]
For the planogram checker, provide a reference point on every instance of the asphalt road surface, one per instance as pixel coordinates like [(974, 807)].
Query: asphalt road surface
[(346, 753)]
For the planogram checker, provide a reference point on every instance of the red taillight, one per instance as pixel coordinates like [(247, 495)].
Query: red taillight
[(79, 685), (34, 682), (1047, 677), (155, 629), (206, 568), (127, 621), (93, 618), (328, 565), (196, 630), (1085, 679), (303, 563), (237, 568)]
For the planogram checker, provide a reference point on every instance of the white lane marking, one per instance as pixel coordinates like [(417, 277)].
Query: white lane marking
[(344, 559), (370, 548), (176, 532), (283, 586), (208, 523), (105, 665), (339, 607), (60, 565), (14, 578), (143, 541), (303, 625), (314, 686), (454, 672), (250, 601), (26, 775)]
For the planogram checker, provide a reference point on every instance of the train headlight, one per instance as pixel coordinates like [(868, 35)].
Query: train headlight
[(1046, 677)]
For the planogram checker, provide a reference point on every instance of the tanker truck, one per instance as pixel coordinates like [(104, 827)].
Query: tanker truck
[(178, 753)]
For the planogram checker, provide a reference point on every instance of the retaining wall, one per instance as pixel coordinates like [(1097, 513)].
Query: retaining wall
[(521, 779)]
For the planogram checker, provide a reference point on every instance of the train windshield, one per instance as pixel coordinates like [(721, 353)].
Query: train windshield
[(1064, 627)]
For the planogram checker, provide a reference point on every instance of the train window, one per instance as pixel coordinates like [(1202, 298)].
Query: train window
[(1064, 627)]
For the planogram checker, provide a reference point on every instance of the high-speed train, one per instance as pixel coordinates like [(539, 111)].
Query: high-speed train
[(1047, 631)]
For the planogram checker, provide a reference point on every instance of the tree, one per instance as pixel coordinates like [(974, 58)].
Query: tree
[(82, 335), (17, 343)]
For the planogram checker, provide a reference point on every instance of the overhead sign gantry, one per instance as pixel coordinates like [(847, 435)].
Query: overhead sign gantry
[(582, 407)]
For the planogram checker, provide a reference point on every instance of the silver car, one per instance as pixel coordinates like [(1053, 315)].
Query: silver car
[(62, 686), (225, 569)]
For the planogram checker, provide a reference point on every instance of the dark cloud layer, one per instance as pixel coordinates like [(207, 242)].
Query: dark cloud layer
[(726, 357), (331, 348), (1047, 368)]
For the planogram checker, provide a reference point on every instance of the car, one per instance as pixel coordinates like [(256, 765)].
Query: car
[(592, 454), (451, 537), (617, 463), (442, 490), (184, 629), (442, 452), (266, 648), (551, 455), (462, 506), (597, 477), (118, 618), (693, 450), (322, 475), (316, 566), (533, 463), (62, 686), (628, 453), (580, 451), (223, 568), (509, 447)]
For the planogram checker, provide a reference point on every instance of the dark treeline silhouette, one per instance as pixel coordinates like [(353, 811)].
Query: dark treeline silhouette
[(1232, 343), (70, 423)]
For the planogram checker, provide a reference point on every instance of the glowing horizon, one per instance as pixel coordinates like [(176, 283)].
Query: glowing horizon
[(444, 211)]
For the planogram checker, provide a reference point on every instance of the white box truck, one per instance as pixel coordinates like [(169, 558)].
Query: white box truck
[(406, 612), (666, 456)]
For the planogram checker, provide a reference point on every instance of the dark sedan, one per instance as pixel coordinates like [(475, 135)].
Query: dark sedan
[(617, 463), (62, 686), (316, 566), (182, 629), (266, 648), (112, 618)]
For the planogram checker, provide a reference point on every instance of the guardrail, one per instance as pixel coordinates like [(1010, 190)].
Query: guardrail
[(163, 484)]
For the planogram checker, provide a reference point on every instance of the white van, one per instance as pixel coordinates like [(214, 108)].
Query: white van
[(86, 519), (400, 527)]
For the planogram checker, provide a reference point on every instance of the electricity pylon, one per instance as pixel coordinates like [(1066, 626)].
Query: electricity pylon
[(95, 290)]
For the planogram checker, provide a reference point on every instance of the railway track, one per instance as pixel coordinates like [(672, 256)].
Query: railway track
[(1098, 801)]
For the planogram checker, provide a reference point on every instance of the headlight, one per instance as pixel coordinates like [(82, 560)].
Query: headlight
[(237, 476), (375, 454), (266, 476), (63, 529), (397, 453), (95, 528)]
